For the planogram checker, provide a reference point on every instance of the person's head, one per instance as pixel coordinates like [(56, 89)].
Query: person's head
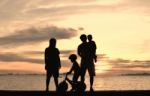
[(52, 42), (73, 57), (83, 38), (89, 37)]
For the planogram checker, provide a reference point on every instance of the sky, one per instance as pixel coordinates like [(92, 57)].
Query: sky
[(120, 29)]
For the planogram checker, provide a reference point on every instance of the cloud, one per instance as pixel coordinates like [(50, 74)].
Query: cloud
[(12, 10), (58, 12), (138, 3), (76, 8), (36, 35), (12, 57), (17, 57), (118, 66), (22, 10), (33, 52), (81, 28), (102, 57), (137, 6), (16, 10), (62, 52), (122, 64), (65, 54), (71, 10)]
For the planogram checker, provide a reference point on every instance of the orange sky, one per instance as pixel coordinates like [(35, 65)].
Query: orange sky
[(119, 27)]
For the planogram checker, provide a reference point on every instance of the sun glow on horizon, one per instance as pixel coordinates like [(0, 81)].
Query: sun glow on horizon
[(120, 29)]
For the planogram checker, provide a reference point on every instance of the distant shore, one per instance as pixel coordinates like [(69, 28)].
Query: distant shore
[(87, 93)]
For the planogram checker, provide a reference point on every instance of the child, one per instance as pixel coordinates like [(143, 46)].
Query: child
[(92, 46), (75, 68)]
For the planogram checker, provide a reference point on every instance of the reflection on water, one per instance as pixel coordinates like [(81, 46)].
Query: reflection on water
[(37, 82), (123, 83)]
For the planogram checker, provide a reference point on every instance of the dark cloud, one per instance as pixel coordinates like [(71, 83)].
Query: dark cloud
[(36, 35), (16, 57), (67, 51), (81, 28), (62, 52), (118, 66), (12, 57), (123, 66), (33, 52), (102, 57), (129, 64)]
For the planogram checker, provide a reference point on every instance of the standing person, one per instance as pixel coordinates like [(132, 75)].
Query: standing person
[(92, 46), (52, 63), (86, 60)]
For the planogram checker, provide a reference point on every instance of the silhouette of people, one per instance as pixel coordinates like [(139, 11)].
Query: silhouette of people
[(87, 59), (52, 63), (92, 46), (75, 68)]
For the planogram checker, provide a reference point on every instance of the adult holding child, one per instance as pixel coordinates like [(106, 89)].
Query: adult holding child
[(86, 52)]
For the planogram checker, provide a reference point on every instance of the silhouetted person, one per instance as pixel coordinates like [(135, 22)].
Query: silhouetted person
[(52, 63), (75, 68), (86, 60), (92, 46)]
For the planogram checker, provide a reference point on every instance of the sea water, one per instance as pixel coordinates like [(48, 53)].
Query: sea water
[(37, 82)]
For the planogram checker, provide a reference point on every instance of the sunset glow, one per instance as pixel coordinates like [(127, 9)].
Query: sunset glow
[(120, 29)]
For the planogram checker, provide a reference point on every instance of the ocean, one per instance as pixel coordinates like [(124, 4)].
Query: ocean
[(37, 82)]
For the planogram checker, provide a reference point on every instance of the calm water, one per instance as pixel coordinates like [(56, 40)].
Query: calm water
[(37, 82)]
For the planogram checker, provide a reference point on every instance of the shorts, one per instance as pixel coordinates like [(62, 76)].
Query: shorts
[(88, 66), (54, 73)]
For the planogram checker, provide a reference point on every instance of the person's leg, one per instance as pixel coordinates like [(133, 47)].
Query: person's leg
[(91, 82), (75, 81), (56, 75), (91, 71), (83, 71), (56, 82), (48, 76), (75, 77)]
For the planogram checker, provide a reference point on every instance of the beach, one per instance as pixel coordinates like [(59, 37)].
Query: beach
[(87, 93)]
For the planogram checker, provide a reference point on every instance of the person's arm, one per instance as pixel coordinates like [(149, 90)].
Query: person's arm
[(95, 47), (59, 64), (45, 57), (72, 68), (78, 51)]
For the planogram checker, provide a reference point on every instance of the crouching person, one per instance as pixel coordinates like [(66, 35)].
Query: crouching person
[(76, 69)]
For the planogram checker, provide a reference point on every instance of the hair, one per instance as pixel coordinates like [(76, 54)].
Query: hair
[(52, 42), (83, 37), (73, 57), (89, 37)]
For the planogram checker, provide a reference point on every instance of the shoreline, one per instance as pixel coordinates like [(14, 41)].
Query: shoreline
[(86, 93)]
